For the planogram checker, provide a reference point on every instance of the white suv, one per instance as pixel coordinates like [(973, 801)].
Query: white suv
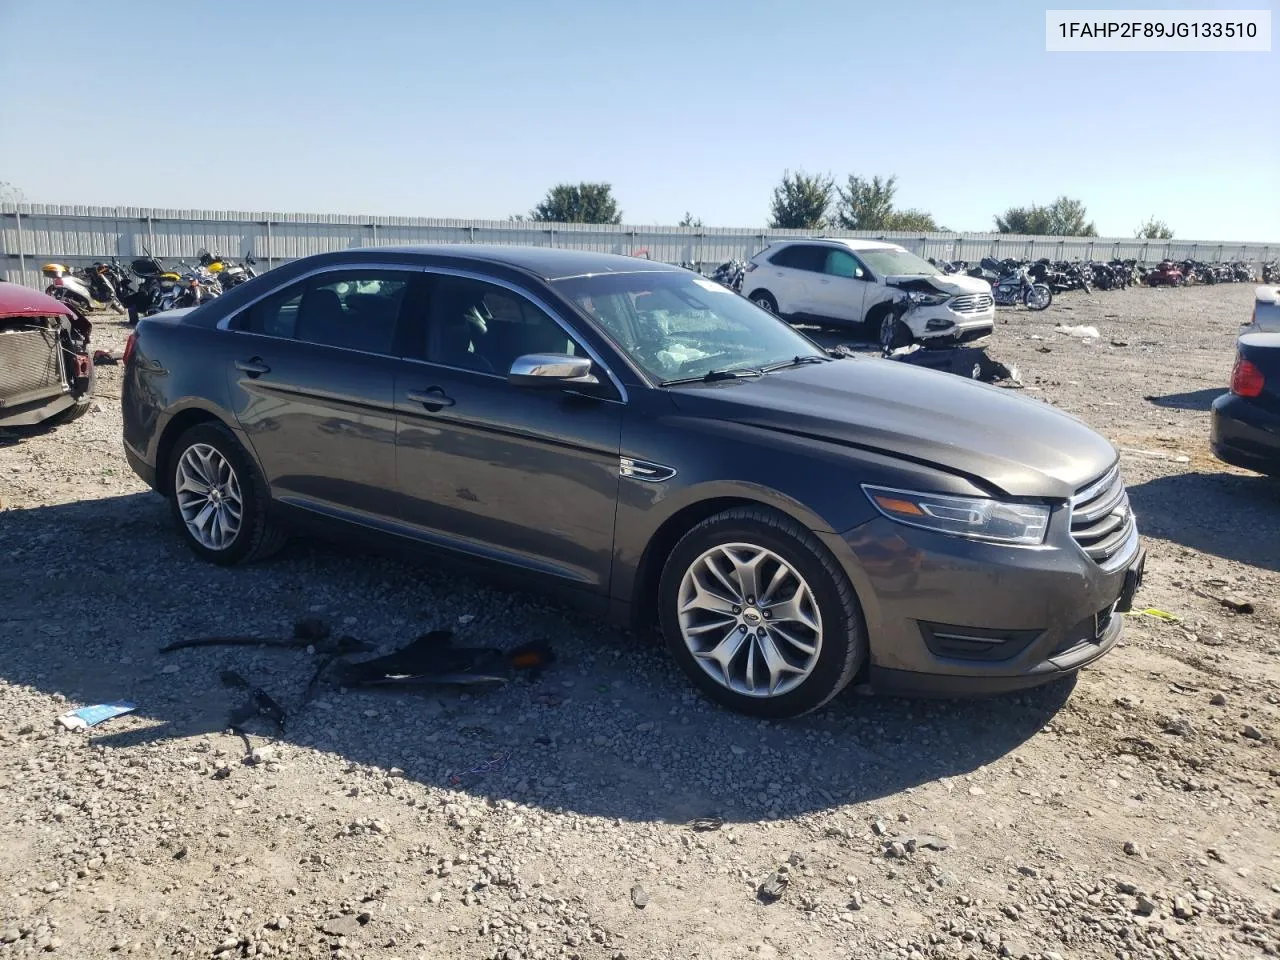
[(891, 294)]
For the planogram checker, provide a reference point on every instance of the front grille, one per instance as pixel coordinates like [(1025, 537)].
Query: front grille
[(1101, 519), (30, 363), (972, 303)]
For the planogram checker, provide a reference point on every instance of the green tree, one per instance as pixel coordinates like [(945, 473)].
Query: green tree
[(1154, 229), (578, 203), (689, 220), (866, 204), (800, 201), (1065, 217)]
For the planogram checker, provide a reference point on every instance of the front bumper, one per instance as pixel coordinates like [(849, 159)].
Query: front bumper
[(959, 327), (1243, 434), (950, 616)]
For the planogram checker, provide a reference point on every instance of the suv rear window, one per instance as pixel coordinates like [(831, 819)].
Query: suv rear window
[(801, 256)]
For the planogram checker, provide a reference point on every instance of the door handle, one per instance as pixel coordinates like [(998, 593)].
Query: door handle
[(433, 398), (254, 367)]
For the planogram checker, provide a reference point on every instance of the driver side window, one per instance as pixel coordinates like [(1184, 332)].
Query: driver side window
[(840, 263), (479, 326)]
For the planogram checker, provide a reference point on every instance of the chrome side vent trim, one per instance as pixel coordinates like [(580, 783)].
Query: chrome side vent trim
[(644, 470)]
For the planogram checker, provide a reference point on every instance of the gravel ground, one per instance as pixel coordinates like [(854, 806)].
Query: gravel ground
[(1129, 814)]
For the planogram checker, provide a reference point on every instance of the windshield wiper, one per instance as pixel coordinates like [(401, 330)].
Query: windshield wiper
[(711, 376), (795, 362)]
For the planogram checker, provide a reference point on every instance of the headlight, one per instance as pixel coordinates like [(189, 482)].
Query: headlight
[(927, 299), (974, 517)]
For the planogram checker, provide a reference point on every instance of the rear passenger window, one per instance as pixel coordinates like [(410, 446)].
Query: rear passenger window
[(801, 256), (353, 310)]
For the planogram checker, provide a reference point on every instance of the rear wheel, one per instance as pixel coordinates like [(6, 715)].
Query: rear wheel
[(218, 498), (765, 301), (759, 614)]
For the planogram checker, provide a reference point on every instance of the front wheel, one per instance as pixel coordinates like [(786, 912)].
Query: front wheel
[(1037, 297), (759, 614), (218, 498)]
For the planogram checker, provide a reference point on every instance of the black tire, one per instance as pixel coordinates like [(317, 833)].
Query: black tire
[(765, 300), (843, 648), (82, 405), (897, 335), (258, 535), (1048, 298)]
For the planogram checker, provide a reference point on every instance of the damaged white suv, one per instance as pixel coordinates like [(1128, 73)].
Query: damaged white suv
[(893, 296)]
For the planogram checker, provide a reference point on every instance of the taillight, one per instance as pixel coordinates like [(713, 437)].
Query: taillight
[(1246, 379), (129, 347)]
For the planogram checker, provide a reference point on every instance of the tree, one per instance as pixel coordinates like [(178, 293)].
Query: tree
[(1064, 217), (800, 201), (868, 205), (1154, 229), (11, 194), (689, 220), (578, 203), (915, 221), (516, 218)]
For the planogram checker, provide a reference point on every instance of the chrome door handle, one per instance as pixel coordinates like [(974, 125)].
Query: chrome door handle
[(433, 398), (254, 367)]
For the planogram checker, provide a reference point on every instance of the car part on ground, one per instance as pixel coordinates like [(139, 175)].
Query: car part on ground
[(46, 370), (435, 397), (1245, 423)]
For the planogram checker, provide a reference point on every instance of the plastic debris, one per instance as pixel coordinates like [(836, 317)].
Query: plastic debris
[(1084, 333), (87, 717), (1154, 614), (706, 824)]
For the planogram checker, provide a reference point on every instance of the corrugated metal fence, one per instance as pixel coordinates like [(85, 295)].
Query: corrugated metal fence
[(34, 234)]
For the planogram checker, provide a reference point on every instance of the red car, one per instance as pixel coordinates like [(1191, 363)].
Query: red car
[(46, 371)]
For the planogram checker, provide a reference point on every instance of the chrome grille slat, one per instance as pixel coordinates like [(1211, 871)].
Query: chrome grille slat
[(971, 303), (1102, 522)]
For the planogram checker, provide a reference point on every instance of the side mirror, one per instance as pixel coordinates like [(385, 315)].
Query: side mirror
[(551, 370), (858, 273)]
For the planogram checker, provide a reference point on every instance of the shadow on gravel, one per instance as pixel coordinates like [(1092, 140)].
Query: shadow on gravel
[(90, 591), (1228, 515), (1195, 400)]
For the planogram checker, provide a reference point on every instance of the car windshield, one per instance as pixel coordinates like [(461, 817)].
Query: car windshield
[(896, 262), (677, 325)]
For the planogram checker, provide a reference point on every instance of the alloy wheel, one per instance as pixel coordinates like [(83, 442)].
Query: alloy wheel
[(208, 495), (750, 620)]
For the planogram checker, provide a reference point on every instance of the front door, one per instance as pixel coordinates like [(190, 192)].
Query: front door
[(524, 476), (312, 386)]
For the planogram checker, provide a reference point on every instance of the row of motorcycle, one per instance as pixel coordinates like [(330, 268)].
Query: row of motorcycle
[(1088, 275), (147, 285)]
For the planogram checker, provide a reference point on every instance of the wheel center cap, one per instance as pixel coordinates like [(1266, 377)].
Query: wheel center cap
[(215, 495), (751, 615)]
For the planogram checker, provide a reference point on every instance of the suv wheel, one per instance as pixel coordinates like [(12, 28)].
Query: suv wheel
[(218, 498), (764, 299), (759, 615)]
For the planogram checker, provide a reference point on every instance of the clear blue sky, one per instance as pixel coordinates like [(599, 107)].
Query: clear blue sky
[(474, 108)]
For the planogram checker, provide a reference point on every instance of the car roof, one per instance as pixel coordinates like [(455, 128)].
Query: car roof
[(546, 263), (853, 243), (19, 301)]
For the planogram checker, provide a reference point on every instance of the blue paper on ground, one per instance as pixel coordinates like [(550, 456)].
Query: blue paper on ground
[(96, 714)]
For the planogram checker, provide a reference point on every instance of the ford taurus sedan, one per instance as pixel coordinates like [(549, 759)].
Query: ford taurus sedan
[(645, 441)]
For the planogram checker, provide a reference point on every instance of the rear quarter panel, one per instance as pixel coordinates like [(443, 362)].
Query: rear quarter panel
[(175, 367)]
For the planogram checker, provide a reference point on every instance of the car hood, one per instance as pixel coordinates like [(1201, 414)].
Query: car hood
[(952, 283), (1020, 446)]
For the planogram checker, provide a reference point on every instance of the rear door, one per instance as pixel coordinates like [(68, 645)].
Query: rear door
[(313, 387), (791, 274), (841, 290), (525, 476)]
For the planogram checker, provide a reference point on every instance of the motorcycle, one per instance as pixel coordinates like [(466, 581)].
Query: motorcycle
[(1166, 274), (81, 289), (731, 274), (1018, 285), (228, 274)]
